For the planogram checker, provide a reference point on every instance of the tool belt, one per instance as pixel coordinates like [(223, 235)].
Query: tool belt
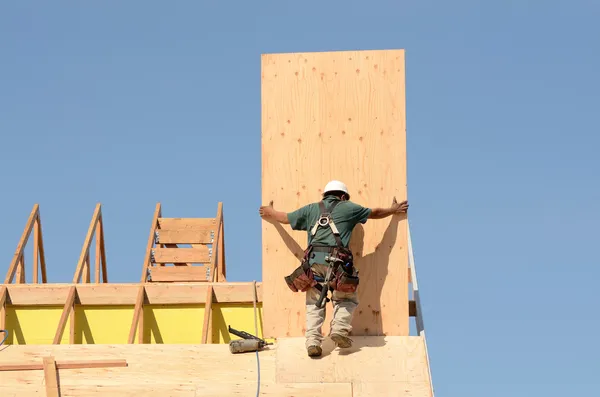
[(345, 276), (302, 278)]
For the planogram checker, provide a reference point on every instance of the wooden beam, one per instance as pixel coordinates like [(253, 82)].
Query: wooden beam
[(207, 328), (197, 224), (178, 273), (50, 377), (206, 325), (68, 364), (84, 262), (65, 314), (40, 250), (102, 246), (220, 252), (139, 303), (126, 294), (3, 294), (17, 257), (186, 236), (199, 254), (157, 214), (36, 242)]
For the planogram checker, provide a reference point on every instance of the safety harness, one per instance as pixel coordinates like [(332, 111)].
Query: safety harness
[(346, 276)]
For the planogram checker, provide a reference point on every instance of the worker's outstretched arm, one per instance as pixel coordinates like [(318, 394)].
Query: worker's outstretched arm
[(267, 212), (395, 208)]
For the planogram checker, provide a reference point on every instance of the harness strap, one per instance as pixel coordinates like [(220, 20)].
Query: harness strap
[(326, 219)]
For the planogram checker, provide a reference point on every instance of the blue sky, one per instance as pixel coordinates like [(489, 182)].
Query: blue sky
[(130, 103)]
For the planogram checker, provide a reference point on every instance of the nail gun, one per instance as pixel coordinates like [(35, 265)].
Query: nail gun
[(248, 343)]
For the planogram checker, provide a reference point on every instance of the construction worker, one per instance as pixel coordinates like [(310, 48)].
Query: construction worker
[(345, 215)]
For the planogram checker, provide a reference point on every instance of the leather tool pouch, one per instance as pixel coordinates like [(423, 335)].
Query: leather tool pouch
[(344, 282), (346, 277), (302, 278)]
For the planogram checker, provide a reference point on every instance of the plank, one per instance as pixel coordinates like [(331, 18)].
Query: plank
[(336, 115), (199, 254), (50, 377), (185, 236), (178, 273), (198, 224), (73, 364), (125, 294)]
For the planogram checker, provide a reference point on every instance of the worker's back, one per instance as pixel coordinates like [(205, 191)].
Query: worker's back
[(346, 215)]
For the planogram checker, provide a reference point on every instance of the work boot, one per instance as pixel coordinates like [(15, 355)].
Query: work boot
[(314, 351), (341, 340)]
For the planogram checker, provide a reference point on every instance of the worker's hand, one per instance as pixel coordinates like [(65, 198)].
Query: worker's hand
[(399, 208), (266, 211)]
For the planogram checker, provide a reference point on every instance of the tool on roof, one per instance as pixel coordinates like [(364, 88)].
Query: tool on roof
[(248, 343)]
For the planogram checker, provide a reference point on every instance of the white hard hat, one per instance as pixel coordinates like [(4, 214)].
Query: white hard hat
[(333, 186)]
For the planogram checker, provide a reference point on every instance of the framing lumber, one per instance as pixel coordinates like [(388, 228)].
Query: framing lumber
[(17, 265), (206, 329), (67, 310), (50, 377), (67, 364), (3, 294), (186, 293), (83, 269)]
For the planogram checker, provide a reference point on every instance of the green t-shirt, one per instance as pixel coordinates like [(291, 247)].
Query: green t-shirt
[(345, 215)]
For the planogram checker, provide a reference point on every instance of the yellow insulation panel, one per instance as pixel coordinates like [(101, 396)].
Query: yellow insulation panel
[(102, 324), (110, 324), (168, 324), (34, 325)]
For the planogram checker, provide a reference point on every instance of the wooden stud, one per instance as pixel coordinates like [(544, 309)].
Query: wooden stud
[(21, 245), (36, 243), (67, 309), (3, 294), (40, 250), (139, 303), (178, 273), (83, 270), (221, 253), (157, 214), (207, 329)]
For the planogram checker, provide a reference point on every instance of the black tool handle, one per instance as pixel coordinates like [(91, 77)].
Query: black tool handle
[(323, 295)]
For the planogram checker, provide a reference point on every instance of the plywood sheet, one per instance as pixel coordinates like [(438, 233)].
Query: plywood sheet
[(336, 115), (149, 367), (371, 359)]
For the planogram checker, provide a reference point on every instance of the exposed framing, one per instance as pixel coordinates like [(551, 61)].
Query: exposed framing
[(192, 231), (83, 270), (17, 265), (83, 274)]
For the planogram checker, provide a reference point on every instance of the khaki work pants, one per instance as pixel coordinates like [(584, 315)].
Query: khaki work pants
[(344, 305)]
